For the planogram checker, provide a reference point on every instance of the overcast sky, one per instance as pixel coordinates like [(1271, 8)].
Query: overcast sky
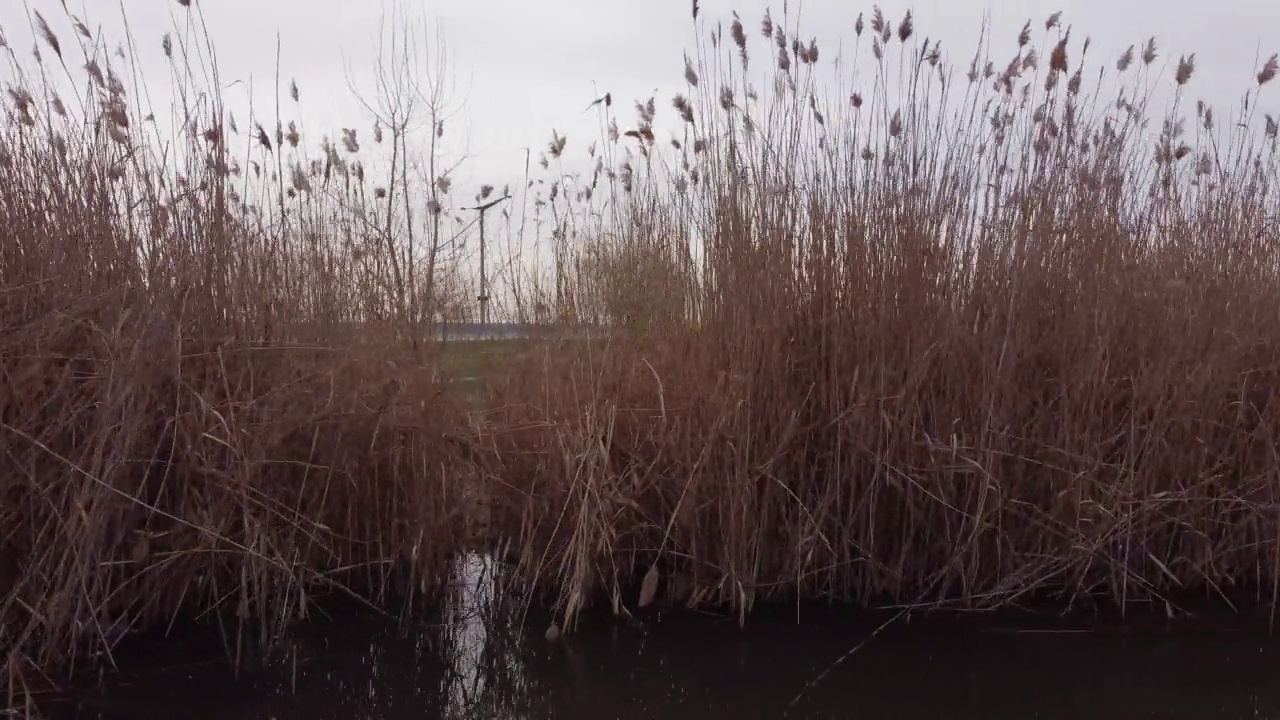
[(522, 68)]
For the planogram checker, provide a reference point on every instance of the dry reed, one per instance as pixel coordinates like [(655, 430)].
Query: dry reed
[(208, 408), (957, 341)]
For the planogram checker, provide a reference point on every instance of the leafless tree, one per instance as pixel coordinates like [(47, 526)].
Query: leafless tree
[(412, 92)]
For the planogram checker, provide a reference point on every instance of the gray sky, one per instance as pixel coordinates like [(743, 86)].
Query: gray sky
[(521, 69)]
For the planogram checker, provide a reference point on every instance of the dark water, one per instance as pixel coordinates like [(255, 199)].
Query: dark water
[(470, 664)]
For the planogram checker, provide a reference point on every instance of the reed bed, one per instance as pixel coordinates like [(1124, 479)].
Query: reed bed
[(964, 337), (214, 404), (934, 337)]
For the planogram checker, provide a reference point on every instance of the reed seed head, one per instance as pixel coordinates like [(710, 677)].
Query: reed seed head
[(738, 34), (1149, 54), (117, 134), (683, 108), (95, 73), (349, 141), (299, 180), (263, 139), (557, 144), (1186, 66), (1268, 71), (47, 34), (1126, 59), (1058, 58), (726, 99)]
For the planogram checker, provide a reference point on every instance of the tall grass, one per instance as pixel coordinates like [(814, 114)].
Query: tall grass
[(944, 337), (189, 425)]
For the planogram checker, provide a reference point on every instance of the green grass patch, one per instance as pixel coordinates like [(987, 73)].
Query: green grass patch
[(471, 360)]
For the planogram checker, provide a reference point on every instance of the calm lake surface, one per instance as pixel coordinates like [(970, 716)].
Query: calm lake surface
[(471, 662)]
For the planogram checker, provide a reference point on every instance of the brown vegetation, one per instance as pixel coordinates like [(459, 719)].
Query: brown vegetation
[(939, 339), (189, 426), (950, 339)]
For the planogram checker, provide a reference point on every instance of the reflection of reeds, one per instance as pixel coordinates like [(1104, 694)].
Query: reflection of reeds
[(482, 642)]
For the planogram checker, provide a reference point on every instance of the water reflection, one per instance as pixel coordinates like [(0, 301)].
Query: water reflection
[(475, 660)]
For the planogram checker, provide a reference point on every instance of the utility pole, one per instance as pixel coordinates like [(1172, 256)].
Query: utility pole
[(483, 297)]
